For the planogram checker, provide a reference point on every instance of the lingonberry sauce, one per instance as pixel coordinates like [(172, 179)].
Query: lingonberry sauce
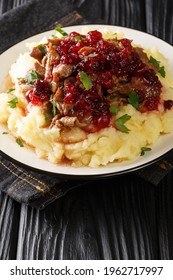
[(88, 105), (101, 60), (39, 93), (152, 103)]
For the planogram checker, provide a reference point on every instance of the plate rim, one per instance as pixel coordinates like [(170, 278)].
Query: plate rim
[(88, 24), (78, 175), (82, 176)]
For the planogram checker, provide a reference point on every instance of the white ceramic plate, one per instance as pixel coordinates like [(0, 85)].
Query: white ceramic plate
[(27, 157)]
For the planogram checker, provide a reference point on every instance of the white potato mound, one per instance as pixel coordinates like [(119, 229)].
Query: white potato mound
[(109, 145), (81, 148)]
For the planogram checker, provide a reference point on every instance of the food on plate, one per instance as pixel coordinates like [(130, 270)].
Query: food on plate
[(88, 99)]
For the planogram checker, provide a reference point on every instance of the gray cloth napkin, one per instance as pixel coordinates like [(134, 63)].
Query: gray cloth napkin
[(39, 190), (33, 188), (33, 17)]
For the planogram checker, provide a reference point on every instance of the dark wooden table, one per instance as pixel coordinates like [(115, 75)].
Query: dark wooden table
[(119, 218)]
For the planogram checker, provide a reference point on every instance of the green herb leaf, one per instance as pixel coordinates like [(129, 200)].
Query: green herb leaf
[(31, 77), (144, 149), (120, 123), (47, 117), (154, 62), (113, 109), (19, 142), (85, 80), (54, 36), (41, 48), (13, 102), (54, 108), (162, 71), (157, 64), (10, 90), (4, 132), (134, 100), (90, 55), (79, 38), (60, 30), (115, 34)]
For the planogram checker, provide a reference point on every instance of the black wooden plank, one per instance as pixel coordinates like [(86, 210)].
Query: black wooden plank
[(129, 13), (159, 19), (9, 223), (164, 204), (9, 209), (113, 219), (159, 22), (6, 5)]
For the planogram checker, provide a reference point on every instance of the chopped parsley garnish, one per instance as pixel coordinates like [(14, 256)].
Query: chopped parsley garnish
[(4, 132), (79, 38), (144, 149), (113, 109), (162, 71), (54, 36), (19, 142), (10, 90), (154, 62), (85, 80), (13, 102), (47, 117), (115, 34), (54, 108), (41, 48), (157, 64), (90, 55), (134, 100), (31, 77), (120, 123), (60, 30)]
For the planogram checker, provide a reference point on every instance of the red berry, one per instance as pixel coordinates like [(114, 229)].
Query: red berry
[(93, 37), (39, 93), (74, 34), (70, 93), (105, 79), (168, 104), (152, 103)]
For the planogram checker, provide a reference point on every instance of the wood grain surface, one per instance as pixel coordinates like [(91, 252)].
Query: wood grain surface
[(117, 218)]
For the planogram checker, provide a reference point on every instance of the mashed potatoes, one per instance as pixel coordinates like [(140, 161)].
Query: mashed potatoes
[(82, 148)]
